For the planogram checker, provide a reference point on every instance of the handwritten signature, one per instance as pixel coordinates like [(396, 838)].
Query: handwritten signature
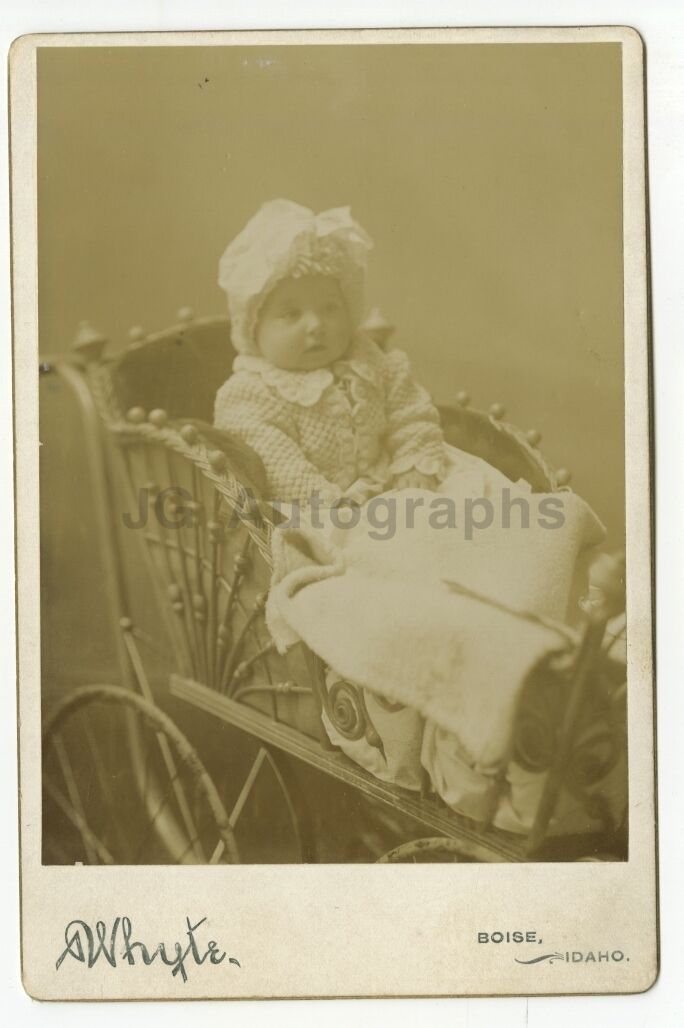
[(87, 946)]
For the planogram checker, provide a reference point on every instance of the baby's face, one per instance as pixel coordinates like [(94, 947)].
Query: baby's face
[(304, 323)]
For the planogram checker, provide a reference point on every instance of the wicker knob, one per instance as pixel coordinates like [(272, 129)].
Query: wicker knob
[(462, 398), (240, 565), (497, 411), (378, 327), (136, 415), (89, 343), (185, 314), (241, 671), (533, 437), (158, 417), (174, 593), (136, 333), (218, 460), (125, 624), (189, 434), (563, 476)]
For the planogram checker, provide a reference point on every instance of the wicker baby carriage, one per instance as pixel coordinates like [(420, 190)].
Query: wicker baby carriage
[(211, 747)]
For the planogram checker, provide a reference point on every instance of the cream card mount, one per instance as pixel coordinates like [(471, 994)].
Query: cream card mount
[(257, 761)]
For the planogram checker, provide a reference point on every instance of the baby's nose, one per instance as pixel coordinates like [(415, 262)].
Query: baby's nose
[(312, 321)]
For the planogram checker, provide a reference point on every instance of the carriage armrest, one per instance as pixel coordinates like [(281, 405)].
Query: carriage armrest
[(177, 370), (244, 462), (499, 443)]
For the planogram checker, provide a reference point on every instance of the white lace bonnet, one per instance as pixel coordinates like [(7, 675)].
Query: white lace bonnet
[(284, 238)]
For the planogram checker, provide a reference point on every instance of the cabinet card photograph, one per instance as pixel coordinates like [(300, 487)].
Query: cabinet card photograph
[(333, 516)]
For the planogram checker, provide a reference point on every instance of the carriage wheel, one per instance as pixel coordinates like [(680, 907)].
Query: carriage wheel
[(265, 795), (122, 785), (433, 850)]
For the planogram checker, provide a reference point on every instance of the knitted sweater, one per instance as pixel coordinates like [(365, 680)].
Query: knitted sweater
[(320, 431)]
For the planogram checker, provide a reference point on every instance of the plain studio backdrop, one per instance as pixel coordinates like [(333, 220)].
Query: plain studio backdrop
[(489, 177)]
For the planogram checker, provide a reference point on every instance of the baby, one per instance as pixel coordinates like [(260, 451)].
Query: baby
[(330, 413), (327, 410)]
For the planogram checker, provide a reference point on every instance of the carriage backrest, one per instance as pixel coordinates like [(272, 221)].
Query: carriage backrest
[(502, 445), (178, 370)]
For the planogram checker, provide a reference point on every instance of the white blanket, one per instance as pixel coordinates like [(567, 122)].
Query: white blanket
[(378, 607)]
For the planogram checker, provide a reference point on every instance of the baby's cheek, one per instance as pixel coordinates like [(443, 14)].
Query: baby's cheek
[(344, 341), (296, 349)]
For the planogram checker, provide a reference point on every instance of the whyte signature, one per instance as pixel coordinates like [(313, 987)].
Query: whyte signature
[(87, 946)]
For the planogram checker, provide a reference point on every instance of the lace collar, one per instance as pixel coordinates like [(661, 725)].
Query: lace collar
[(302, 387), (305, 388)]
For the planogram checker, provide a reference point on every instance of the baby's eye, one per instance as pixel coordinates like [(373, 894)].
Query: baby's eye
[(332, 307), (290, 313)]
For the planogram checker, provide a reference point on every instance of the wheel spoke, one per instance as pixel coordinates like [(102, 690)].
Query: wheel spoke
[(288, 800), (218, 852), (73, 793), (89, 768), (146, 775), (164, 746), (191, 845), (79, 823), (247, 787), (101, 774), (181, 798), (153, 820)]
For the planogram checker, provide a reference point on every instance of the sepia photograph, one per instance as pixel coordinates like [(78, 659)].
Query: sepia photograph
[(330, 376), (303, 276)]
